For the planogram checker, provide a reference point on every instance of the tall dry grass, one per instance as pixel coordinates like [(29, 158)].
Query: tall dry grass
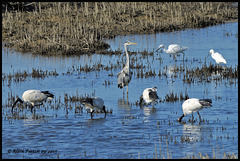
[(80, 27)]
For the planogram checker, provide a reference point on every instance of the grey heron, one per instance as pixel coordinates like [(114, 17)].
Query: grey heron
[(94, 104), (194, 105), (33, 97), (125, 75), (217, 57), (149, 95)]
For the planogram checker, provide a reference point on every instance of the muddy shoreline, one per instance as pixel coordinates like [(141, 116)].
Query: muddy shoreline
[(74, 28)]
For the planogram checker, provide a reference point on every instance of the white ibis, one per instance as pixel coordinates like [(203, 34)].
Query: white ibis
[(149, 95), (33, 98), (194, 105), (94, 104)]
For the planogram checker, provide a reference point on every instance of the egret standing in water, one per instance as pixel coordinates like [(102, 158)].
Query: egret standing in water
[(194, 105), (217, 57), (94, 104), (149, 95), (125, 75), (173, 49), (33, 98)]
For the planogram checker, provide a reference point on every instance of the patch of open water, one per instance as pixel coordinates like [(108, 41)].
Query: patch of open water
[(130, 131)]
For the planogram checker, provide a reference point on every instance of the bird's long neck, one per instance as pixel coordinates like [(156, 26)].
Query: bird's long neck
[(18, 100), (127, 56)]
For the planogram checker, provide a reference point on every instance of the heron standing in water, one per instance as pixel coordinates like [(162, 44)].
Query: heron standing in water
[(125, 75)]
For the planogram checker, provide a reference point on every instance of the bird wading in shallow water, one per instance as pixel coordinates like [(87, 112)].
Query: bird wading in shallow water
[(149, 96), (194, 105), (94, 104), (125, 75), (217, 57), (173, 49), (33, 98)]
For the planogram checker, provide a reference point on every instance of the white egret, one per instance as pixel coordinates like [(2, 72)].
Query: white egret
[(33, 98), (94, 104), (125, 75), (149, 95), (217, 57), (173, 49), (194, 105)]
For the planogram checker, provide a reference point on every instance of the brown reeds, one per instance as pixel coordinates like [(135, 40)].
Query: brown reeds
[(79, 27)]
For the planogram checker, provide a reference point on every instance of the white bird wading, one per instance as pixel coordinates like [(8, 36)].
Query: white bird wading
[(194, 105), (33, 98)]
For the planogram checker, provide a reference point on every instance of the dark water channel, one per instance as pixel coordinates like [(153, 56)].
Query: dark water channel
[(63, 130)]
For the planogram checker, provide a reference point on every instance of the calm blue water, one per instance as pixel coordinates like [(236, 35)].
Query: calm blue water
[(130, 131)]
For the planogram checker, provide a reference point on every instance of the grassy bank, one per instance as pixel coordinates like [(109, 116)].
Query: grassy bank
[(80, 27)]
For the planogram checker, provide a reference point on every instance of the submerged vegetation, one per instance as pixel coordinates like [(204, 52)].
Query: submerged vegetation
[(66, 28)]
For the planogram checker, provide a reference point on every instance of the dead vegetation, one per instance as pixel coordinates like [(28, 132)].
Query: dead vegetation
[(79, 27)]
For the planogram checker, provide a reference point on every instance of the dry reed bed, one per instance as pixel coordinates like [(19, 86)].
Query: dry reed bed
[(80, 27)]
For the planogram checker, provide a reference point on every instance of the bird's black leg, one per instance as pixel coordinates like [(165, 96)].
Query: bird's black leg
[(31, 107), (192, 117), (174, 57), (199, 117), (92, 114), (104, 110)]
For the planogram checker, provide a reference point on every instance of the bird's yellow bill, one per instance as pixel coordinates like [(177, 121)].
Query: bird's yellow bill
[(134, 43)]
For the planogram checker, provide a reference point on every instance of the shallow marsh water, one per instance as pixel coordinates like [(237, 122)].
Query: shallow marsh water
[(63, 131)]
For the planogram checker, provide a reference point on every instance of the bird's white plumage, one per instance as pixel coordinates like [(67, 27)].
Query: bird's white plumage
[(173, 48), (194, 105), (146, 96), (34, 97), (149, 95), (191, 105), (217, 57)]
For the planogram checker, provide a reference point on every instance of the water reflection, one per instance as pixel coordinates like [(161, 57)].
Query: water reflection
[(216, 75), (196, 132), (124, 104), (97, 121), (34, 119), (148, 111)]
